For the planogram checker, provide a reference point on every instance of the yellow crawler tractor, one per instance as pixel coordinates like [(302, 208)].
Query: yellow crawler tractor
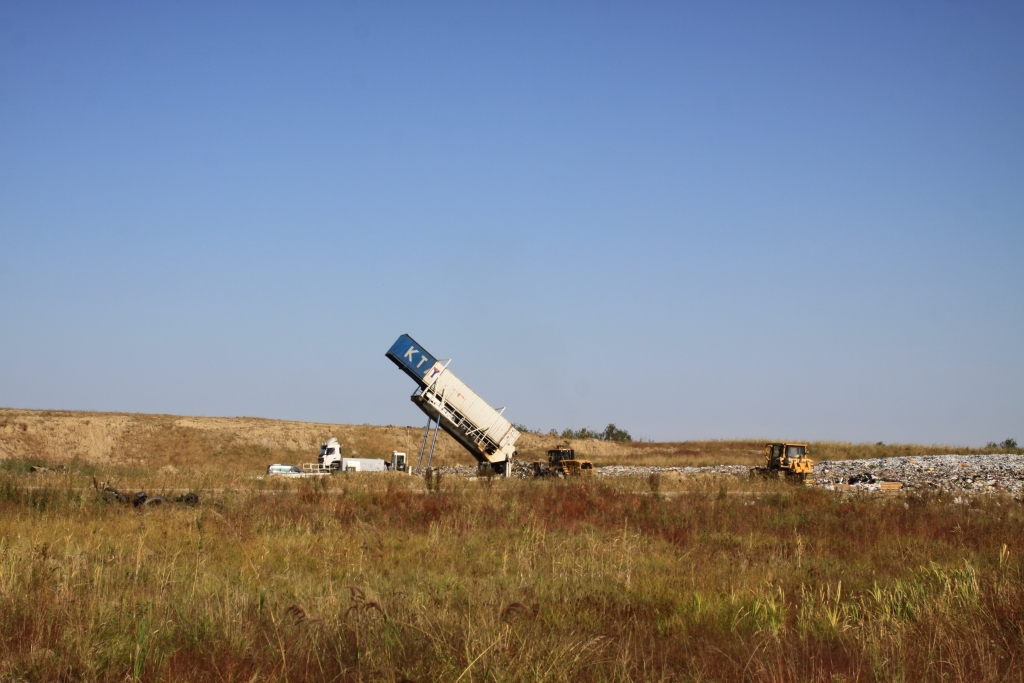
[(562, 462), (785, 460)]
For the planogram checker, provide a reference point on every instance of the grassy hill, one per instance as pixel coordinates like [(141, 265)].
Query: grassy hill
[(250, 444)]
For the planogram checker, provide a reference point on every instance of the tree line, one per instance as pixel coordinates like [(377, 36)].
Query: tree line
[(609, 433)]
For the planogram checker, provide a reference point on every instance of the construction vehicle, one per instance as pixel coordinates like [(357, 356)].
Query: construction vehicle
[(330, 455), (785, 460), (452, 406), (330, 460), (562, 462), (398, 462)]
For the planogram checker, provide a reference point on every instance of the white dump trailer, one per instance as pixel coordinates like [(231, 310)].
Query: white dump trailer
[(456, 408)]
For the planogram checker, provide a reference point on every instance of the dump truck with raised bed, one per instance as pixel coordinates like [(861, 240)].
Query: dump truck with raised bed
[(457, 409)]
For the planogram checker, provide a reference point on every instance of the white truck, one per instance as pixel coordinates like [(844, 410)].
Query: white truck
[(331, 460), (449, 402)]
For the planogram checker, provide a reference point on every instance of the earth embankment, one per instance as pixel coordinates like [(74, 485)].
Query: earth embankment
[(249, 444)]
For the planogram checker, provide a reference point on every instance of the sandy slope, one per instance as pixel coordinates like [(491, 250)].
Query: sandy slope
[(158, 440), (198, 442)]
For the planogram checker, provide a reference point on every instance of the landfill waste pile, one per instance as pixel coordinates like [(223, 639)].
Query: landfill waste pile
[(950, 473), (517, 470), (524, 470), (648, 470)]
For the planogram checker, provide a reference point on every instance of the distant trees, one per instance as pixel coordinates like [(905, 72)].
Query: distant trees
[(1008, 444), (581, 433), (610, 433)]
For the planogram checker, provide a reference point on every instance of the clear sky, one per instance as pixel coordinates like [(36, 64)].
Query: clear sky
[(695, 220)]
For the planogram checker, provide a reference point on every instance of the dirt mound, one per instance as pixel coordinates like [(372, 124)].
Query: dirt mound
[(49, 437), (215, 442), (197, 442)]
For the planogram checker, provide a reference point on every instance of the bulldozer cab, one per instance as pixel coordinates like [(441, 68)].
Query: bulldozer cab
[(557, 456), (788, 456)]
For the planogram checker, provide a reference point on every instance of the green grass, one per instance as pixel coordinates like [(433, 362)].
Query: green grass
[(372, 578)]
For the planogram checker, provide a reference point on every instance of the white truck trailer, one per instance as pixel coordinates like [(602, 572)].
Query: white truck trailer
[(456, 408), (331, 460)]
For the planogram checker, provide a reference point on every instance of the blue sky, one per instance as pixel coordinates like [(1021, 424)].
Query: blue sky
[(713, 220)]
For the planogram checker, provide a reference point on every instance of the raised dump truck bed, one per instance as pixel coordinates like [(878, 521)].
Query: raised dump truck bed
[(459, 411)]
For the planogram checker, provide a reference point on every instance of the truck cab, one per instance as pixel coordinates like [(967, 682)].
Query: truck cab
[(330, 455)]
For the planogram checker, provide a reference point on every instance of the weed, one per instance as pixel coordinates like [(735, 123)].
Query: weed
[(385, 577)]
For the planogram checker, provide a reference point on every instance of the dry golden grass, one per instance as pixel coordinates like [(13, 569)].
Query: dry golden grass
[(249, 444), (372, 578), (154, 441), (381, 578)]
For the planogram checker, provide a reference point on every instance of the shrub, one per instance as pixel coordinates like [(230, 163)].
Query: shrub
[(613, 433), (610, 433)]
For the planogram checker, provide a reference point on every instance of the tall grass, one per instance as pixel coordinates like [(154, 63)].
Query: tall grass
[(375, 578)]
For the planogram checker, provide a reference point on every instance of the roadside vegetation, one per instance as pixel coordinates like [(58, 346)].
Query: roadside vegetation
[(377, 578)]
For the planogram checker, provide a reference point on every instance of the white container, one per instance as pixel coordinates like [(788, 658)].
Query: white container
[(466, 402), (363, 465)]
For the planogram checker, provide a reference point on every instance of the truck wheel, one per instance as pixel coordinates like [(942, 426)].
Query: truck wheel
[(155, 501)]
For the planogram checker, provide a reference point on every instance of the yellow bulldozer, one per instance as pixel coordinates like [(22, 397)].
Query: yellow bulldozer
[(787, 460), (562, 462)]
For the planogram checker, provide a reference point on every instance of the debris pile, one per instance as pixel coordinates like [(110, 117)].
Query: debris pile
[(143, 500), (452, 470), (951, 473), (646, 471), (521, 469), (971, 473), (518, 470), (524, 470)]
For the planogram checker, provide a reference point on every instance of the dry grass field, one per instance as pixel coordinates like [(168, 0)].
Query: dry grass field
[(383, 578), (250, 444)]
